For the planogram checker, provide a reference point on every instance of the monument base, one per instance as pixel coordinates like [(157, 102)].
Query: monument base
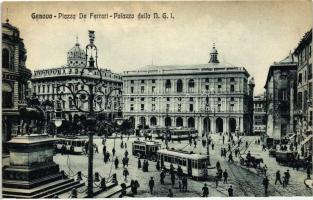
[(32, 172)]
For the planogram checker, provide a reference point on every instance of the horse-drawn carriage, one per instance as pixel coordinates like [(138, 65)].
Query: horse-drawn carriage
[(251, 161)]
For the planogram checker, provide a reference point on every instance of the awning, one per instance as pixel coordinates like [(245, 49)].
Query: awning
[(6, 87)]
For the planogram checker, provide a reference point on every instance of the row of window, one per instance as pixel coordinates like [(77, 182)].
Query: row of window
[(179, 89), (191, 82), (179, 99), (179, 107)]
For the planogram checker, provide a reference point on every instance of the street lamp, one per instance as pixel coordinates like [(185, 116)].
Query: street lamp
[(207, 107), (91, 78)]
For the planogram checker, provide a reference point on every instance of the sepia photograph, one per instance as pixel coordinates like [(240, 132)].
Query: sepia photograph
[(142, 99)]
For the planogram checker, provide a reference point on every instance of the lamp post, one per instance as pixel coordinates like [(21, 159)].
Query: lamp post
[(90, 77), (207, 107)]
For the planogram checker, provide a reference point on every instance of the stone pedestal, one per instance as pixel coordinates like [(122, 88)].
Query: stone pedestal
[(32, 172)]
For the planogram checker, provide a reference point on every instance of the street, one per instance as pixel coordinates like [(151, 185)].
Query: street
[(245, 181)]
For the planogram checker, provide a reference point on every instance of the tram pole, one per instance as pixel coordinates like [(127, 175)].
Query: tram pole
[(166, 131)]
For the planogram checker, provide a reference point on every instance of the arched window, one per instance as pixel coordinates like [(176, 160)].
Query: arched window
[(153, 121), (179, 85), (179, 122), (5, 58), (168, 84), (191, 85)]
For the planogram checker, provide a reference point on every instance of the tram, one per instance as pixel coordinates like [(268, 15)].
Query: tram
[(194, 165), (157, 132), (183, 133), (71, 145), (146, 149)]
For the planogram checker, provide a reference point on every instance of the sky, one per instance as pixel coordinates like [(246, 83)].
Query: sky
[(246, 34)]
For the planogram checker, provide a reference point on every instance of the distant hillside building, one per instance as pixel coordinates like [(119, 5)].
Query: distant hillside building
[(14, 80), (259, 115), (213, 97), (280, 98)]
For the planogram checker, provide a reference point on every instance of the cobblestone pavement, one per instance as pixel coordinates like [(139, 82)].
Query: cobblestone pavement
[(245, 181)]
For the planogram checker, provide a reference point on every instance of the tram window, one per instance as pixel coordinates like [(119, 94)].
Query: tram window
[(180, 162), (184, 162), (74, 143)]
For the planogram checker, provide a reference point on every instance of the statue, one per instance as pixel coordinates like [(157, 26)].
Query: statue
[(32, 116)]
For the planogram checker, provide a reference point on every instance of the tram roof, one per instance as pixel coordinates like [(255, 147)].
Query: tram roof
[(184, 154), (147, 142)]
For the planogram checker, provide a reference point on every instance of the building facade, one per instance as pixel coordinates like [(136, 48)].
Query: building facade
[(259, 115), (14, 80), (304, 106), (46, 81), (213, 97), (280, 98)]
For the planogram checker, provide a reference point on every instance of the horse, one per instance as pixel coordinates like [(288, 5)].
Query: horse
[(30, 117)]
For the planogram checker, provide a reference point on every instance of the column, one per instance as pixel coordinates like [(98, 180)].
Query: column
[(225, 123), (213, 124)]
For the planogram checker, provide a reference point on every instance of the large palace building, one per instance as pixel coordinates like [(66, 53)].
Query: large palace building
[(46, 81), (14, 80), (213, 97)]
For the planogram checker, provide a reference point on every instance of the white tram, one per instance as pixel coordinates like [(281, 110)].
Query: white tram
[(72, 145), (183, 133), (192, 164), (145, 149)]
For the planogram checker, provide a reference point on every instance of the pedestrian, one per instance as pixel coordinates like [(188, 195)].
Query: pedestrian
[(225, 175), (122, 145), (104, 149), (220, 174), (170, 193), (230, 158), (123, 162), (113, 151), (151, 185), (216, 178), (222, 152), (180, 185), (286, 177), (158, 165), (162, 176), (218, 165), (107, 155), (247, 144), (229, 148), (230, 191), (223, 139), (125, 145), (139, 163), (132, 187), (278, 177), (126, 161), (96, 149), (173, 179), (125, 174), (205, 191), (212, 146), (308, 171), (264, 170), (136, 185), (179, 172), (185, 183), (195, 143), (147, 166), (126, 153), (265, 184), (263, 147), (116, 163)]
